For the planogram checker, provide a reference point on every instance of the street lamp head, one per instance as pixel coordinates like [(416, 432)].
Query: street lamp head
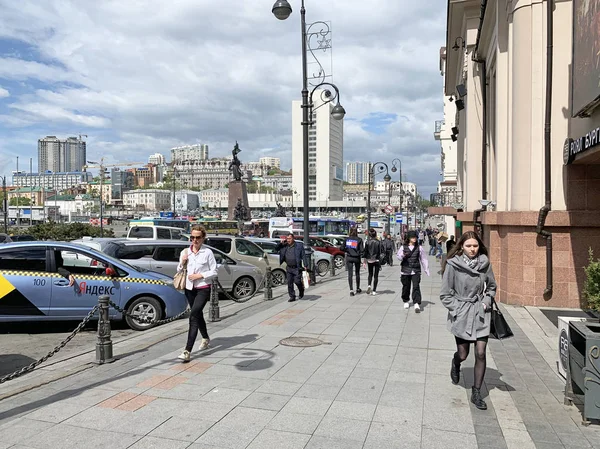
[(338, 112), (394, 169), (282, 9), (387, 178)]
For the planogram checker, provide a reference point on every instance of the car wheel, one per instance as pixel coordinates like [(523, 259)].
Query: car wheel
[(278, 277), (144, 307), (338, 261), (243, 287), (322, 267)]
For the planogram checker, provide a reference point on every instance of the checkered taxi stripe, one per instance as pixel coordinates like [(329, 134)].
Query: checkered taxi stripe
[(83, 277)]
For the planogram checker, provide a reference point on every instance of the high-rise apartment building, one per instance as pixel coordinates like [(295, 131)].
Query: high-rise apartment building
[(325, 153), (156, 159), (357, 172), (197, 152), (58, 155), (273, 162)]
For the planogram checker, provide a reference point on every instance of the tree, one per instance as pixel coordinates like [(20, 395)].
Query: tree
[(20, 201), (66, 231)]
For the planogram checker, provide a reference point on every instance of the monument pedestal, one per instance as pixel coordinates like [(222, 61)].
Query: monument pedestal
[(237, 190)]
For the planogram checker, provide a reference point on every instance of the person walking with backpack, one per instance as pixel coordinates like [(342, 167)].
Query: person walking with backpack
[(373, 256), (468, 288), (413, 261), (353, 247)]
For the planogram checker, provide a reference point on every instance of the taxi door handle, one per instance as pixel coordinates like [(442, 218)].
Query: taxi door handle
[(62, 283), (158, 266)]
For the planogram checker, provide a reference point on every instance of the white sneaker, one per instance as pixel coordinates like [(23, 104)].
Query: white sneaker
[(184, 356), (374, 294), (369, 290), (406, 305), (204, 344), (417, 308)]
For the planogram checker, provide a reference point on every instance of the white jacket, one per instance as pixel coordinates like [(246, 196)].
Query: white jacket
[(203, 262)]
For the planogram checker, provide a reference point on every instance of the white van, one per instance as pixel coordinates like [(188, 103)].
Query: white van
[(154, 232)]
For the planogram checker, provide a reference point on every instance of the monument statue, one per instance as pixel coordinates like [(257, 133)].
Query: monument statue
[(280, 212), (240, 214), (235, 163)]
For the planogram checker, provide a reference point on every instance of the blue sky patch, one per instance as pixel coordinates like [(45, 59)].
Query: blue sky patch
[(377, 122)]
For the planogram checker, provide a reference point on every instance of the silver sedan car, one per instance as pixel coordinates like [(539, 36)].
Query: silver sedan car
[(162, 256)]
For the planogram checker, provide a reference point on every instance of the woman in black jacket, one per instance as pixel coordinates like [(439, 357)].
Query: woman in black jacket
[(372, 255), (353, 247)]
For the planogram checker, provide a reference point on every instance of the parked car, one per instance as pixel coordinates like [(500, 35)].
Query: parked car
[(154, 232), (240, 249), (335, 240), (239, 278), (23, 238), (32, 290), (339, 256), (322, 259)]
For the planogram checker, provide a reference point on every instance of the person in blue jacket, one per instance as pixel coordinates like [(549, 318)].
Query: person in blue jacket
[(292, 253)]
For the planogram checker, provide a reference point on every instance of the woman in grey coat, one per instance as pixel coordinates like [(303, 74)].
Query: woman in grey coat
[(468, 286)]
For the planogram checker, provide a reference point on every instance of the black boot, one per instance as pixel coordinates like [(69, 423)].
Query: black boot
[(476, 399), (455, 372)]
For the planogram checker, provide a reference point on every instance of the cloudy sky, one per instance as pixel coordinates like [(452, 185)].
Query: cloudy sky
[(142, 76)]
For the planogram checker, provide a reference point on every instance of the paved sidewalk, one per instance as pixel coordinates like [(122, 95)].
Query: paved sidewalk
[(380, 380)]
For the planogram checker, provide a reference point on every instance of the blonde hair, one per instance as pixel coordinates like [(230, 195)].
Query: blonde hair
[(200, 229)]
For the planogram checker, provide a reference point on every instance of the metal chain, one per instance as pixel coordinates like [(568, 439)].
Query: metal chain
[(32, 366), (147, 320)]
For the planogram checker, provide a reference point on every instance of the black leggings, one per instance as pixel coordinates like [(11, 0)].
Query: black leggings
[(373, 274), (462, 352), (353, 262), (197, 299)]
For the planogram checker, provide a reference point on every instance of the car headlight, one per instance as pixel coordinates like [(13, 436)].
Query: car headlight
[(168, 281)]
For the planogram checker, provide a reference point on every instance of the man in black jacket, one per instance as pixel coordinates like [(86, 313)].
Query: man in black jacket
[(292, 253), (389, 248), (353, 247)]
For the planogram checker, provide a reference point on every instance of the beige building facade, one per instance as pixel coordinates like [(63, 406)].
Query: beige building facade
[(497, 75)]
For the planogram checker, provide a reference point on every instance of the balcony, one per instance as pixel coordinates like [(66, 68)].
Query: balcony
[(446, 202), (438, 129)]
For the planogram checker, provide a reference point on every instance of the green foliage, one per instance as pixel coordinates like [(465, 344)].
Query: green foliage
[(66, 231), (19, 201), (591, 288)]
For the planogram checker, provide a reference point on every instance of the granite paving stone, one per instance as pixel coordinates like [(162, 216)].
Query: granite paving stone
[(380, 380)]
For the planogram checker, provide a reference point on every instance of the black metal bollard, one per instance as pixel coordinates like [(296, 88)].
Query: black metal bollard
[(214, 313), (332, 267), (313, 273), (268, 285), (104, 348)]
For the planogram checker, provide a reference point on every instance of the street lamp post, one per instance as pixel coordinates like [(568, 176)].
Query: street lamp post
[(5, 204), (379, 166), (394, 170), (282, 10)]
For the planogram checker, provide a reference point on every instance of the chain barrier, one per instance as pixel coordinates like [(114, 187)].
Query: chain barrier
[(33, 365), (147, 320)]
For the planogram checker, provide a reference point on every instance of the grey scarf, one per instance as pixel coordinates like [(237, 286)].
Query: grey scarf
[(471, 263)]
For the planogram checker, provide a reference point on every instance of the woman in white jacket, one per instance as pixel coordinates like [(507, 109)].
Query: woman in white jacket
[(201, 267)]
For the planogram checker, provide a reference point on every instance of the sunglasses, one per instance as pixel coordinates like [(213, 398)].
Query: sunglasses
[(196, 237)]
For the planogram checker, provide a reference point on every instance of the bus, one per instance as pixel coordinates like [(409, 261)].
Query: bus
[(158, 221), (318, 225), (257, 227), (216, 227)]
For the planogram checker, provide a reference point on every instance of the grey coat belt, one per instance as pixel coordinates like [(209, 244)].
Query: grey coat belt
[(467, 315)]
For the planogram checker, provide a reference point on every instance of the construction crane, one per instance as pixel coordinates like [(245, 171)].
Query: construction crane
[(101, 165)]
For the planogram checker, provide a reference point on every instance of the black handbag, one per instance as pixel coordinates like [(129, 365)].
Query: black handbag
[(499, 328)]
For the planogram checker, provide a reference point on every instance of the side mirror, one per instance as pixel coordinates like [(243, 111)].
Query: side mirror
[(110, 272)]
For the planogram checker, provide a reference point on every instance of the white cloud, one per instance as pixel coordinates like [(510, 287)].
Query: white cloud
[(4, 93), (142, 76)]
